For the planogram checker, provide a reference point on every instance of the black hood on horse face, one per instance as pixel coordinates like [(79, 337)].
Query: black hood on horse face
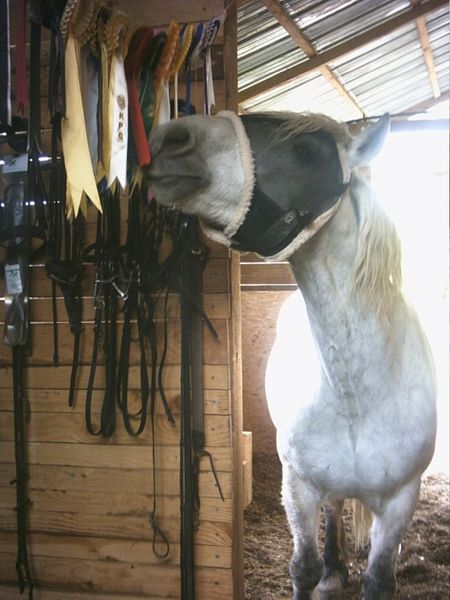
[(298, 177)]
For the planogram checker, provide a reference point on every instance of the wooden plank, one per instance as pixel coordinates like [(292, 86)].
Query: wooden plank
[(11, 592), (101, 481), (247, 463), (104, 576), (89, 548), (215, 349), (215, 276), (42, 344), (237, 427), (215, 279), (161, 13), (110, 456), (63, 427), (216, 306), (215, 377), (118, 503), (110, 526), (342, 49), (216, 402), (266, 274)]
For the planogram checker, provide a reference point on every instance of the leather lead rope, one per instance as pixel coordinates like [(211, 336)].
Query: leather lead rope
[(192, 438), (16, 335), (186, 463)]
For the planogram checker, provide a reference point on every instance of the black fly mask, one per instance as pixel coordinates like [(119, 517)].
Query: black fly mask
[(297, 182)]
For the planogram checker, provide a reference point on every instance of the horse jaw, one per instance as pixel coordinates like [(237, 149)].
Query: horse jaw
[(198, 167)]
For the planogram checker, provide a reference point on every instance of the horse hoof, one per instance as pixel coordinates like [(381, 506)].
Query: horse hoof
[(334, 595), (331, 587)]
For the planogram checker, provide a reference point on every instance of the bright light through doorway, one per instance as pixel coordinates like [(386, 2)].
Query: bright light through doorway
[(411, 177)]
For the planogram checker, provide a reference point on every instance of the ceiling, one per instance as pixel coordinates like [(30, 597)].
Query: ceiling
[(349, 59)]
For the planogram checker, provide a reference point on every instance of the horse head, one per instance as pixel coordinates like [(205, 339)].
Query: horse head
[(263, 182)]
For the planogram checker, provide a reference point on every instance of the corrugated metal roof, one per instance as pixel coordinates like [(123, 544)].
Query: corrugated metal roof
[(386, 74)]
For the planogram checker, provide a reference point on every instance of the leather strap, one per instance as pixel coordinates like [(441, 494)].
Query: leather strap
[(16, 336), (106, 255), (192, 438), (186, 445)]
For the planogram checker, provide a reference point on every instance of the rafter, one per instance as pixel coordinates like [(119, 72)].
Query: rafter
[(427, 104), (286, 21), (427, 52), (317, 61)]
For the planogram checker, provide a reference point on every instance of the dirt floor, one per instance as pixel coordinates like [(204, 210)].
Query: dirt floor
[(423, 568)]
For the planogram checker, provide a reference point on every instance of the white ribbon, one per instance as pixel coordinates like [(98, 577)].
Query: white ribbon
[(164, 107), (118, 112), (211, 99)]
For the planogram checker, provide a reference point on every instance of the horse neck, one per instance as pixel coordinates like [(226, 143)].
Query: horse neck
[(351, 341), (322, 267)]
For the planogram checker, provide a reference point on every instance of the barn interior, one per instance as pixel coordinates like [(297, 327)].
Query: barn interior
[(354, 61), (89, 498)]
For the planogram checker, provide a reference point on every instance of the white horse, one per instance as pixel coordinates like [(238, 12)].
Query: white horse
[(351, 387)]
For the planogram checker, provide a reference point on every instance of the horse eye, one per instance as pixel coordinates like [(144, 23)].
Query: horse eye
[(303, 150)]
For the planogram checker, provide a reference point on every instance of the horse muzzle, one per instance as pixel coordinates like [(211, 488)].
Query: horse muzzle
[(177, 170)]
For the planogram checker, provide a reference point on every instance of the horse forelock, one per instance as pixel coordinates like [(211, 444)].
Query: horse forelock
[(377, 269), (306, 122)]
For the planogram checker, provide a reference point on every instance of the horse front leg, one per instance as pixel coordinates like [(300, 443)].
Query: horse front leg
[(302, 510), (389, 526), (335, 572)]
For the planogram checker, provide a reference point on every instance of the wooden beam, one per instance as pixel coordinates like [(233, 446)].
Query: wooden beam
[(286, 21), (422, 125), (423, 106), (428, 55), (340, 50)]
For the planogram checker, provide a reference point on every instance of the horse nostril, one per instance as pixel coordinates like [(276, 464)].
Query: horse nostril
[(178, 139)]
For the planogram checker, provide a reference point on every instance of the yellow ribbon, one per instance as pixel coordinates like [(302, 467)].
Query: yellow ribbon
[(179, 62), (164, 69), (80, 176)]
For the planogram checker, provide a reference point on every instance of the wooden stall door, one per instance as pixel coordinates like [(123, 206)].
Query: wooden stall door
[(89, 533)]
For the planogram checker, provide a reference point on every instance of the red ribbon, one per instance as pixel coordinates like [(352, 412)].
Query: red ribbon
[(133, 64), (21, 58)]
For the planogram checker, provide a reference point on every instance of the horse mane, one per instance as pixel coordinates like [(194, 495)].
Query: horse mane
[(377, 269)]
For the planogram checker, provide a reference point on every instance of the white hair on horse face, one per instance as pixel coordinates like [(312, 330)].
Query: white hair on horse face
[(248, 182)]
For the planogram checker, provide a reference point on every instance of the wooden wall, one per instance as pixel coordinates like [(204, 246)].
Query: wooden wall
[(91, 498)]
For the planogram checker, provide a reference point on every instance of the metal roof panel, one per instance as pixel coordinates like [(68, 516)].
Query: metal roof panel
[(390, 71)]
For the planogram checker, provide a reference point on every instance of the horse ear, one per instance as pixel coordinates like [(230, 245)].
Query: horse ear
[(369, 142)]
